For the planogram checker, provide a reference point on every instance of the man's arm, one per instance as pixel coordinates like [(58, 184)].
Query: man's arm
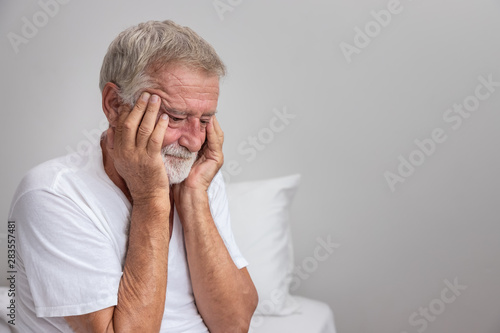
[(135, 147), (141, 294), (225, 295)]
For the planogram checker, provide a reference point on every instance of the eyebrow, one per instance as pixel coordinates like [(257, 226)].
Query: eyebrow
[(185, 113)]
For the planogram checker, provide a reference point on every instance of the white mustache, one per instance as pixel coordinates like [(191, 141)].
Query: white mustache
[(178, 151)]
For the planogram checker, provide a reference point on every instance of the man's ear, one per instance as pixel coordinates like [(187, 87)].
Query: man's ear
[(111, 102)]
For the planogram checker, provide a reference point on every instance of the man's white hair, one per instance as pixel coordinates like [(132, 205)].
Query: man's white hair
[(141, 50)]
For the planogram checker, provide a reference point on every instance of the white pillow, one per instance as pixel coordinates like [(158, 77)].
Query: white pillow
[(260, 216)]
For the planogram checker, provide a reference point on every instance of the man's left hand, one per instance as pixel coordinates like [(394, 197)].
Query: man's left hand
[(210, 160)]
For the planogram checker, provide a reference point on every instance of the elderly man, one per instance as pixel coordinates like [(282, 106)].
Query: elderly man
[(136, 237)]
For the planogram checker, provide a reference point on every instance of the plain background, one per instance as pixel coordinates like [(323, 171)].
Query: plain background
[(352, 122)]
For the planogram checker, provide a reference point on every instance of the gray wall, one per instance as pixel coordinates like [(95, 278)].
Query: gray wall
[(354, 115)]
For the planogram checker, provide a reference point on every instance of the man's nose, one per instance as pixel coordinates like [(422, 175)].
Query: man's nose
[(193, 135)]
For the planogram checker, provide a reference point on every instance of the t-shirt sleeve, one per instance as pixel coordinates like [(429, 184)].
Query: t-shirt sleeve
[(220, 213), (71, 266)]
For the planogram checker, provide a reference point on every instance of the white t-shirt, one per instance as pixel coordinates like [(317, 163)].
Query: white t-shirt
[(71, 226)]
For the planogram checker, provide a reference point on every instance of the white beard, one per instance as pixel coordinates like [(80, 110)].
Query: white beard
[(178, 161)]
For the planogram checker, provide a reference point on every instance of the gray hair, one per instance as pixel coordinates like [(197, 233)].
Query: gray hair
[(142, 49)]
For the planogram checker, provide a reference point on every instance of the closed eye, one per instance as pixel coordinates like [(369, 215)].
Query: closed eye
[(175, 118)]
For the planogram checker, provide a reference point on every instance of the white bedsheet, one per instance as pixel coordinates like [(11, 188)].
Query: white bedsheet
[(314, 317)]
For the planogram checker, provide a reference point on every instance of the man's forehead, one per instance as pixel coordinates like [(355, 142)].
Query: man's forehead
[(185, 81), (178, 75), (186, 91)]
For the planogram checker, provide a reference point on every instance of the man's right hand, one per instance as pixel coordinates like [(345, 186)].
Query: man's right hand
[(135, 147)]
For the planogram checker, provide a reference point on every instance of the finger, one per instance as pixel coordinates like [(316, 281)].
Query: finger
[(126, 129), (215, 136), (156, 139), (215, 139), (123, 113), (216, 124), (148, 121)]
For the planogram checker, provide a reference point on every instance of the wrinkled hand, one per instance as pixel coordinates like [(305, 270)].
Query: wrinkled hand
[(210, 160), (135, 147)]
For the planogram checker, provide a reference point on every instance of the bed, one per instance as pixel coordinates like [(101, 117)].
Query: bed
[(260, 219), (312, 317)]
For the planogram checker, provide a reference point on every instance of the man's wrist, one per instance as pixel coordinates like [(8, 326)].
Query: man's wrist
[(154, 198), (192, 194), (191, 201)]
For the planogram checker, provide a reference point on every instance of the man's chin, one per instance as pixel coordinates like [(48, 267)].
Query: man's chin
[(177, 175)]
